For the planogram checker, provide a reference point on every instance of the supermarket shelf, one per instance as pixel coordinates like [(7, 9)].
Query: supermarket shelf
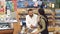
[(57, 16), (9, 21)]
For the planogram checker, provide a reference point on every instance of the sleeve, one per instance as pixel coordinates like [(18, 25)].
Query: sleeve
[(36, 21), (43, 25), (27, 22)]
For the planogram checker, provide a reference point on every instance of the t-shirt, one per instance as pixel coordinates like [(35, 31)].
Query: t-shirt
[(31, 21)]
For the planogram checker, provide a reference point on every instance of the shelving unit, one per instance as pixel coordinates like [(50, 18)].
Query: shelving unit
[(51, 19), (57, 17), (8, 22), (4, 25)]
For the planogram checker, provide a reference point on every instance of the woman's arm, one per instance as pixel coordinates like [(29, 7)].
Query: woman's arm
[(43, 25), (38, 30)]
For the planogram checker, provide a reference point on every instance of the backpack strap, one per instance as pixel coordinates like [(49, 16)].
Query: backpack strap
[(41, 17)]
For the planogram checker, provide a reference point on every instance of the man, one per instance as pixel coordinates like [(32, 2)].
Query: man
[(31, 20)]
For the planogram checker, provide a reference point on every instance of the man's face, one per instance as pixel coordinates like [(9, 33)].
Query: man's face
[(30, 13)]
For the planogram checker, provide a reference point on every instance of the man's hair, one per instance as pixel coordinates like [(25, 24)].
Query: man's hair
[(30, 10)]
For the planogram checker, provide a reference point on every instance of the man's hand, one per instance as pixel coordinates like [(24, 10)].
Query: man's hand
[(32, 26), (35, 33)]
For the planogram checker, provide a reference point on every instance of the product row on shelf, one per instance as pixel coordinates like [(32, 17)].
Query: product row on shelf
[(6, 26), (9, 17), (57, 17)]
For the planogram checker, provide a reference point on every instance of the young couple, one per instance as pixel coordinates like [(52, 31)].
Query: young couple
[(36, 24)]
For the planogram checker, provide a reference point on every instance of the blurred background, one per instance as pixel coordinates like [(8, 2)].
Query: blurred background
[(14, 11)]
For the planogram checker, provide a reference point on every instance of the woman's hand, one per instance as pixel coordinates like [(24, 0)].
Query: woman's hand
[(35, 33)]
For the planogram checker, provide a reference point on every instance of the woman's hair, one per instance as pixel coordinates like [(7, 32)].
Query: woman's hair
[(42, 12)]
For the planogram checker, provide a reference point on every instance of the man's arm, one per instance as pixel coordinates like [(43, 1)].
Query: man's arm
[(27, 22)]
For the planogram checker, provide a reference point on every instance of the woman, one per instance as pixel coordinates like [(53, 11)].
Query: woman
[(44, 23)]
